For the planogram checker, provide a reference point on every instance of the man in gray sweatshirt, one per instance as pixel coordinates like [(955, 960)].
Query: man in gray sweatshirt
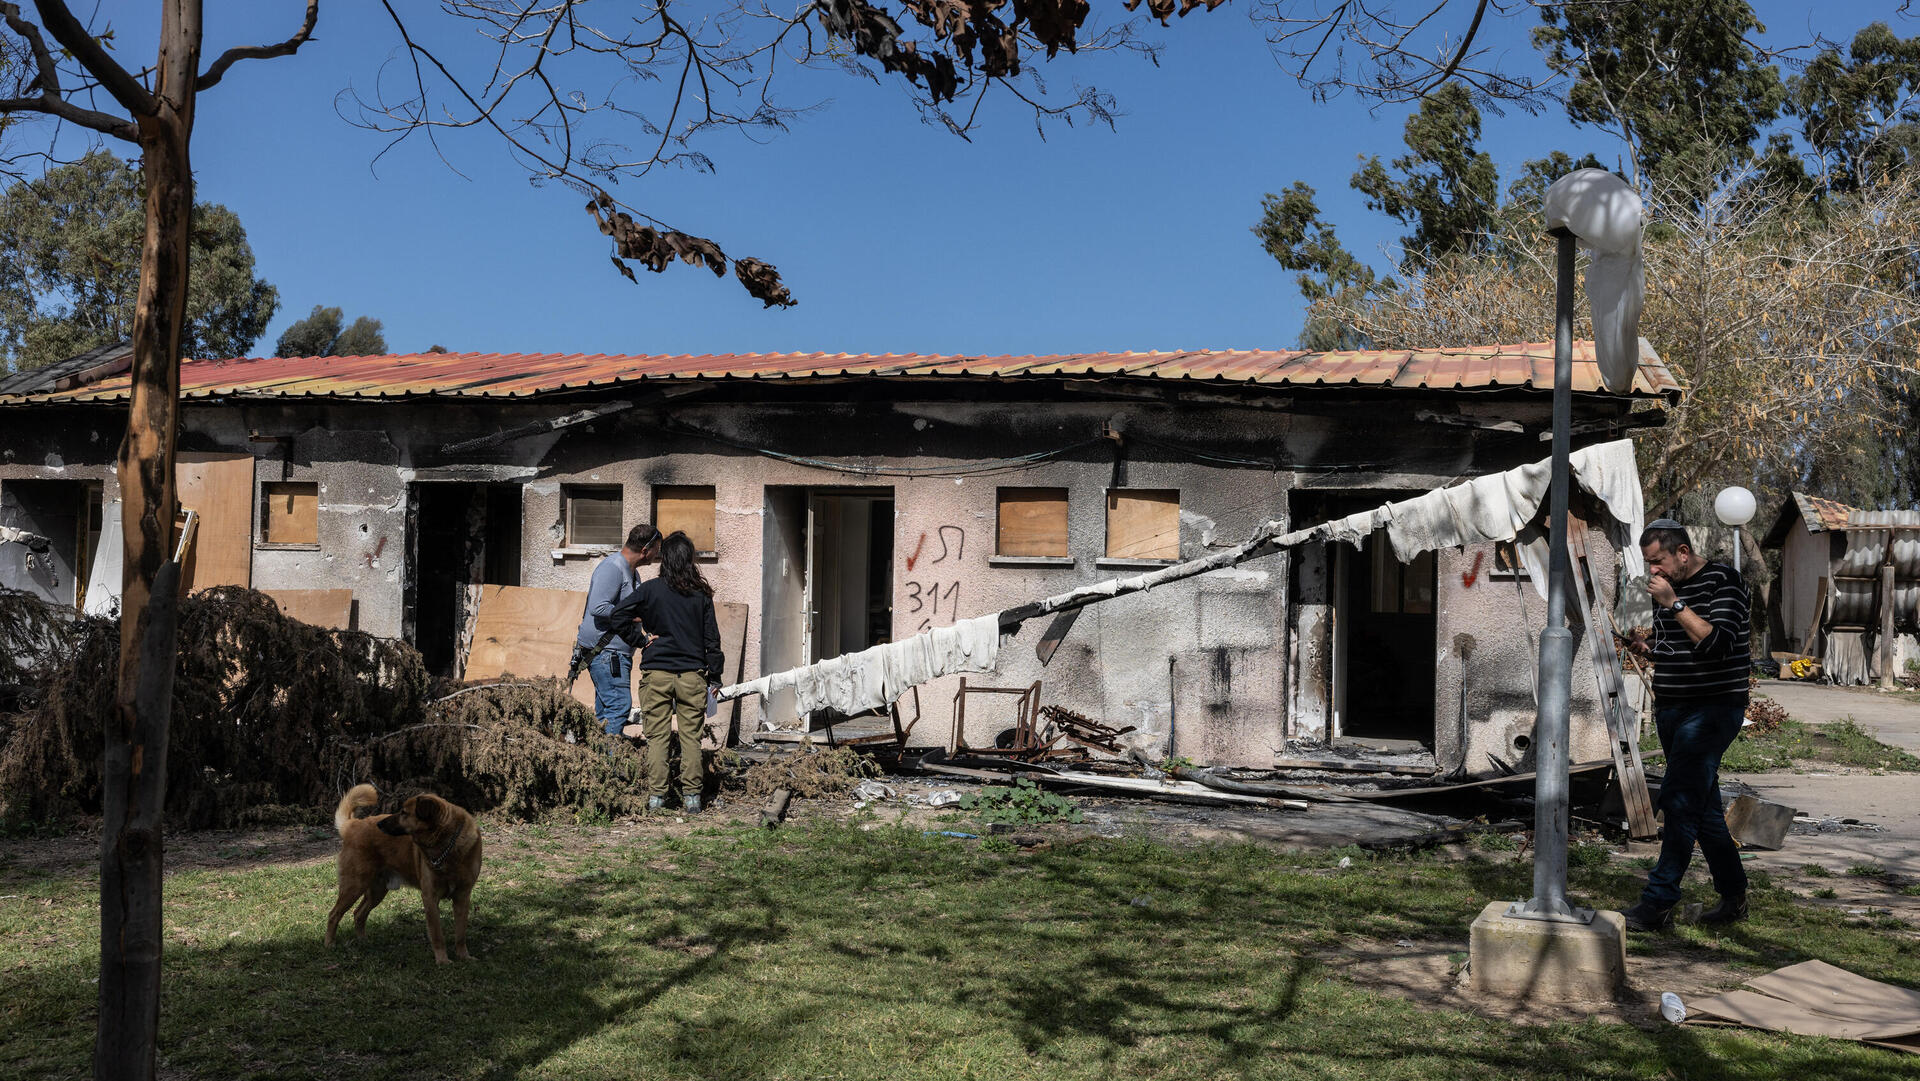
[(614, 579)]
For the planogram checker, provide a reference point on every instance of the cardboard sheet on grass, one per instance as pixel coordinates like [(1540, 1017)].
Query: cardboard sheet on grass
[(523, 631), (1814, 998)]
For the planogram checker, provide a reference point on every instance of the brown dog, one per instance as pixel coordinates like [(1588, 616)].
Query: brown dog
[(430, 845)]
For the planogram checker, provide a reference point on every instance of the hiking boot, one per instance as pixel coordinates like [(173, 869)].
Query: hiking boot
[(691, 805), (1730, 910), (1647, 916), (656, 803)]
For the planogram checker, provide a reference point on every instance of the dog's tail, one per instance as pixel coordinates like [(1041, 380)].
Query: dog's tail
[(360, 795)]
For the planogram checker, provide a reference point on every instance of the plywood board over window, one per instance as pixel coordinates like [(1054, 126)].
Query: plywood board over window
[(593, 514), (686, 508), (217, 486), (1143, 523), (290, 512), (1033, 522)]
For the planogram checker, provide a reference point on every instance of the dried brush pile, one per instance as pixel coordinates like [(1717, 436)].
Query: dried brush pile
[(808, 775), (273, 719)]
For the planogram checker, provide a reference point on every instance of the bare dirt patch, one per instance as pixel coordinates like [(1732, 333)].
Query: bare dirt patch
[(1432, 974)]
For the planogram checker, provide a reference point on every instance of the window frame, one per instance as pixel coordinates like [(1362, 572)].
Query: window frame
[(570, 494), (271, 489)]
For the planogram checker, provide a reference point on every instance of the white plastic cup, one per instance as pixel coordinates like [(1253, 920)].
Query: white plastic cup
[(1671, 1008)]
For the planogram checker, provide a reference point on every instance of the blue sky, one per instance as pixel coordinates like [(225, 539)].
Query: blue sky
[(894, 236)]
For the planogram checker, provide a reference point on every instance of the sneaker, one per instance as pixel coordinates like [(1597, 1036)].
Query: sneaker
[(691, 805), (1647, 916), (656, 803), (1729, 910)]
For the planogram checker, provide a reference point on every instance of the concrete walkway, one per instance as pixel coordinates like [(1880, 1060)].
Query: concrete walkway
[(1884, 800), (1895, 720)]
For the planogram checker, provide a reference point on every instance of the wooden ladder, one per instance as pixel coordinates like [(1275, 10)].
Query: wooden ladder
[(1623, 721)]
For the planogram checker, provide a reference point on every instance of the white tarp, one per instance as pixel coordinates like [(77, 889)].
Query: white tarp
[(103, 576), (875, 678), (1499, 506)]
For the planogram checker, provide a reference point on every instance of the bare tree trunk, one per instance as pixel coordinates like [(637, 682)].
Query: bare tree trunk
[(135, 771)]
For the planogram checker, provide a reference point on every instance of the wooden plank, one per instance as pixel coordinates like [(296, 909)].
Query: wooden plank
[(320, 607), (219, 487), (686, 508), (1033, 522), (1143, 523), (1623, 724), (1883, 656), (732, 617), (290, 512), (523, 631)]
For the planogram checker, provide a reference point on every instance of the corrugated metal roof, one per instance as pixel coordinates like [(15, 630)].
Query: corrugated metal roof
[(511, 375)]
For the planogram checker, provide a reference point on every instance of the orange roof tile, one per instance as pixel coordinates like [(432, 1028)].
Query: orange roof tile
[(511, 375)]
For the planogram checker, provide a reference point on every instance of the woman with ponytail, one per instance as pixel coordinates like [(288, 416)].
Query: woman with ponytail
[(676, 668)]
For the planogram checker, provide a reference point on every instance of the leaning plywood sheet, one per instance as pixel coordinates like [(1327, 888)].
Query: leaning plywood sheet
[(219, 487), (732, 618), (524, 631), (1814, 998), (331, 608)]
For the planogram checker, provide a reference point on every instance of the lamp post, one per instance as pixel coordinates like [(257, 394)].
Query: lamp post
[(1734, 506), (1604, 214)]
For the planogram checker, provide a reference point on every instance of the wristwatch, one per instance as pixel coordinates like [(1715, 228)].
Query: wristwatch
[(1679, 607)]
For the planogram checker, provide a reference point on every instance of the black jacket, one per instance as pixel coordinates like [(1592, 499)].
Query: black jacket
[(689, 636)]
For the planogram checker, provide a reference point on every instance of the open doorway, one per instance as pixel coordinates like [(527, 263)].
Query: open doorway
[(1374, 620), (1385, 651), (459, 537), (67, 514), (826, 579)]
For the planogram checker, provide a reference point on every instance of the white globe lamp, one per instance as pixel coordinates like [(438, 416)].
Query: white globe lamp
[(1734, 506)]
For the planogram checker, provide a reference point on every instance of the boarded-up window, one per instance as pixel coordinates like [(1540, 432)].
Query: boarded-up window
[(685, 508), (593, 514), (1033, 522), (290, 513), (1143, 523)]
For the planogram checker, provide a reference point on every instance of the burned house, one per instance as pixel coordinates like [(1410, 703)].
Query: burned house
[(842, 501)]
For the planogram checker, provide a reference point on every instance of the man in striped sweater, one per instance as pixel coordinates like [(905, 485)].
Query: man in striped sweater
[(1700, 662)]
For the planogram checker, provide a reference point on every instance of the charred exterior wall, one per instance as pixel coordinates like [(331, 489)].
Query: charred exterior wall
[(1226, 668)]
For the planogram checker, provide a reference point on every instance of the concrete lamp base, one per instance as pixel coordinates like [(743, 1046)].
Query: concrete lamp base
[(1548, 961)]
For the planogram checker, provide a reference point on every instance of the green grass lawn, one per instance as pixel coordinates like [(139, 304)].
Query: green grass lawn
[(828, 951), (1841, 743)]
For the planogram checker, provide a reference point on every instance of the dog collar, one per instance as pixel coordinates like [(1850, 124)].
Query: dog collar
[(435, 861)]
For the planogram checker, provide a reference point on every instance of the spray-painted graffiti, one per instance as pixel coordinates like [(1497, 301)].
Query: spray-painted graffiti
[(935, 599), (1472, 575), (953, 544)]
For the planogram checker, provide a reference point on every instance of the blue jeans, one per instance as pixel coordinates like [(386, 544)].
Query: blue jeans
[(1694, 737), (612, 694)]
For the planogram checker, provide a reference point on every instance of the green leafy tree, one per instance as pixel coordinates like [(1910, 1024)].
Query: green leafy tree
[(1445, 191), (1444, 188), (1860, 111), (70, 268), (1677, 80), (320, 335)]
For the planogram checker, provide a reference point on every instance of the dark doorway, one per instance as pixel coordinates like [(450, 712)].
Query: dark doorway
[(460, 537), (1388, 644), (67, 514)]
